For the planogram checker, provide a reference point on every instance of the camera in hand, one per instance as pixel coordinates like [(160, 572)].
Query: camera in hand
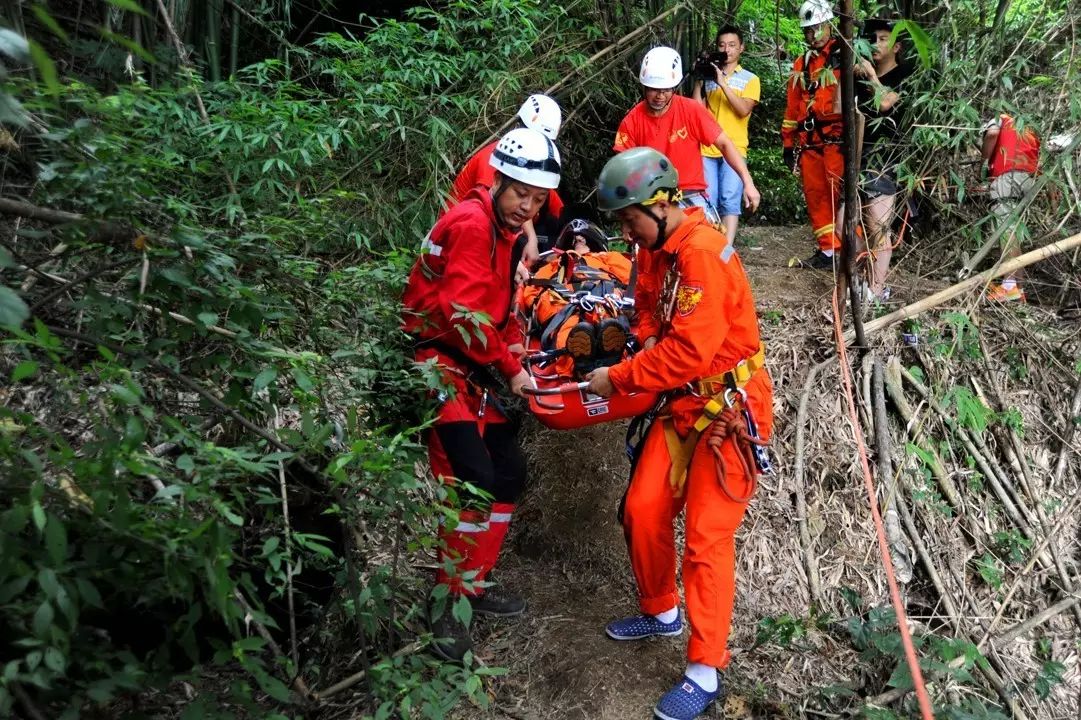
[(703, 66)]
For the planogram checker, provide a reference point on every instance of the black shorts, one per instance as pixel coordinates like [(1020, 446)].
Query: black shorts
[(878, 183)]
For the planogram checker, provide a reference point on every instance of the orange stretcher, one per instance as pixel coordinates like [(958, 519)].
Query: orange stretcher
[(562, 402)]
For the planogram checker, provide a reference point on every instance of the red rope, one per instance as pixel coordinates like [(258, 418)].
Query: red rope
[(895, 594), (730, 425)]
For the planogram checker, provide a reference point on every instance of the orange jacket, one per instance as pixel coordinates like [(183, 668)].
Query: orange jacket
[(711, 326), (814, 90)]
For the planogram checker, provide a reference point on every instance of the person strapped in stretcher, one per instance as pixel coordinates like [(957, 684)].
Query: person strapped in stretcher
[(577, 306)]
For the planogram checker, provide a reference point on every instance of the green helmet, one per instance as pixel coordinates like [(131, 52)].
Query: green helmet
[(635, 177)]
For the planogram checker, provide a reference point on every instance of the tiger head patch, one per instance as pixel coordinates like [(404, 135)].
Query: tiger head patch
[(687, 299)]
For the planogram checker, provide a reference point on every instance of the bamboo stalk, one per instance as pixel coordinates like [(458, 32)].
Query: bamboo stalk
[(931, 301), (678, 7), (982, 462), (1036, 620), (814, 579)]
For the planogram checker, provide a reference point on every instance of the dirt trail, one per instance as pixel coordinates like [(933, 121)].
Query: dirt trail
[(567, 556)]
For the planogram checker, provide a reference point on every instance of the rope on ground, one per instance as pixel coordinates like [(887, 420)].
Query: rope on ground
[(883, 547)]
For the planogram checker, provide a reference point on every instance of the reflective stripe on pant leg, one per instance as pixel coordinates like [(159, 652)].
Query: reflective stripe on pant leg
[(820, 197), (649, 510), (709, 560), (456, 451)]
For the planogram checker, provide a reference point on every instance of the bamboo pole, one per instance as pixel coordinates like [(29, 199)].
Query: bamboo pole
[(589, 61), (914, 309)]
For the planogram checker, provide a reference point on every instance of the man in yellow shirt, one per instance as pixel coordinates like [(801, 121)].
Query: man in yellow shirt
[(731, 96)]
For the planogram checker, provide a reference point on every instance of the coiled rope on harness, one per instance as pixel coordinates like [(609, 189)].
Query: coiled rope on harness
[(731, 426)]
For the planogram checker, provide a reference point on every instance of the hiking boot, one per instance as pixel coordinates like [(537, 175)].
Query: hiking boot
[(613, 338), (581, 341), (999, 294), (687, 700), (640, 627), (498, 602), (818, 261), (450, 638)]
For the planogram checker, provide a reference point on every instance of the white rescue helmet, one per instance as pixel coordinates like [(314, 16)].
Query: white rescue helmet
[(662, 69), (815, 12), (528, 156), (541, 113)]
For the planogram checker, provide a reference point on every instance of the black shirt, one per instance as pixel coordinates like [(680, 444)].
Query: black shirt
[(883, 129)]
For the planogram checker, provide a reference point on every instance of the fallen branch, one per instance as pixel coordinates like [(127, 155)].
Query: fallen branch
[(887, 479), (988, 472), (910, 311), (358, 676), (1036, 620), (954, 615), (101, 230), (36, 212), (1064, 515), (589, 61), (814, 580), (1067, 437), (298, 682), (945, 484)]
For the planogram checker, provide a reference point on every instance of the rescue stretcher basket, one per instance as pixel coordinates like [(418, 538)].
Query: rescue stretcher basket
[(562, 403)]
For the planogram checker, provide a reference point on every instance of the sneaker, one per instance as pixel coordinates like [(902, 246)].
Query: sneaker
[(687, 700), (450, 639), (498, 602), (999, 294), (642, 626), (818, 261), (613, 338), (580, 341)]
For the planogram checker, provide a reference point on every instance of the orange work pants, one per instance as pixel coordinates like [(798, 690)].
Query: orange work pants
[(709, 560), (822, 170)]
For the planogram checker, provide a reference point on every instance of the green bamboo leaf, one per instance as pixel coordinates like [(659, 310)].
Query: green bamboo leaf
[(48, 21), (46, 68), (129, 5), (13, 310), (924, 44)]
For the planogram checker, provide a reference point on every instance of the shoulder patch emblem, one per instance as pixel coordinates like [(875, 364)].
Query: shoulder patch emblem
[(687, 299)]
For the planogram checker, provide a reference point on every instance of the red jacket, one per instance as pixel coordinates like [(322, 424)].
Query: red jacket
[(466, 269), (814, 89), (1014, 151)]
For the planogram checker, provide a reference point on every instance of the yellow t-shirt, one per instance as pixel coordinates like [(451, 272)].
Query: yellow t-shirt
[(746, 85)]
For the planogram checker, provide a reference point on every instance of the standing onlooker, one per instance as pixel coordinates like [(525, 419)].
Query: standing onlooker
[(677, 126), (1013, 157), (878, 95), (731, 96)]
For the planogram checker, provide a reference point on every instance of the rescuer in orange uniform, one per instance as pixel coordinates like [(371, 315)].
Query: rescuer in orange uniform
[(701, 346), (812, 129)]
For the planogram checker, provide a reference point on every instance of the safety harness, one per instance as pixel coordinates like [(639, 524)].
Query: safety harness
[(726, 416)]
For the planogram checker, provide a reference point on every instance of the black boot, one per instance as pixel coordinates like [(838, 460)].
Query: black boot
[(450, 638), (498, 602)]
